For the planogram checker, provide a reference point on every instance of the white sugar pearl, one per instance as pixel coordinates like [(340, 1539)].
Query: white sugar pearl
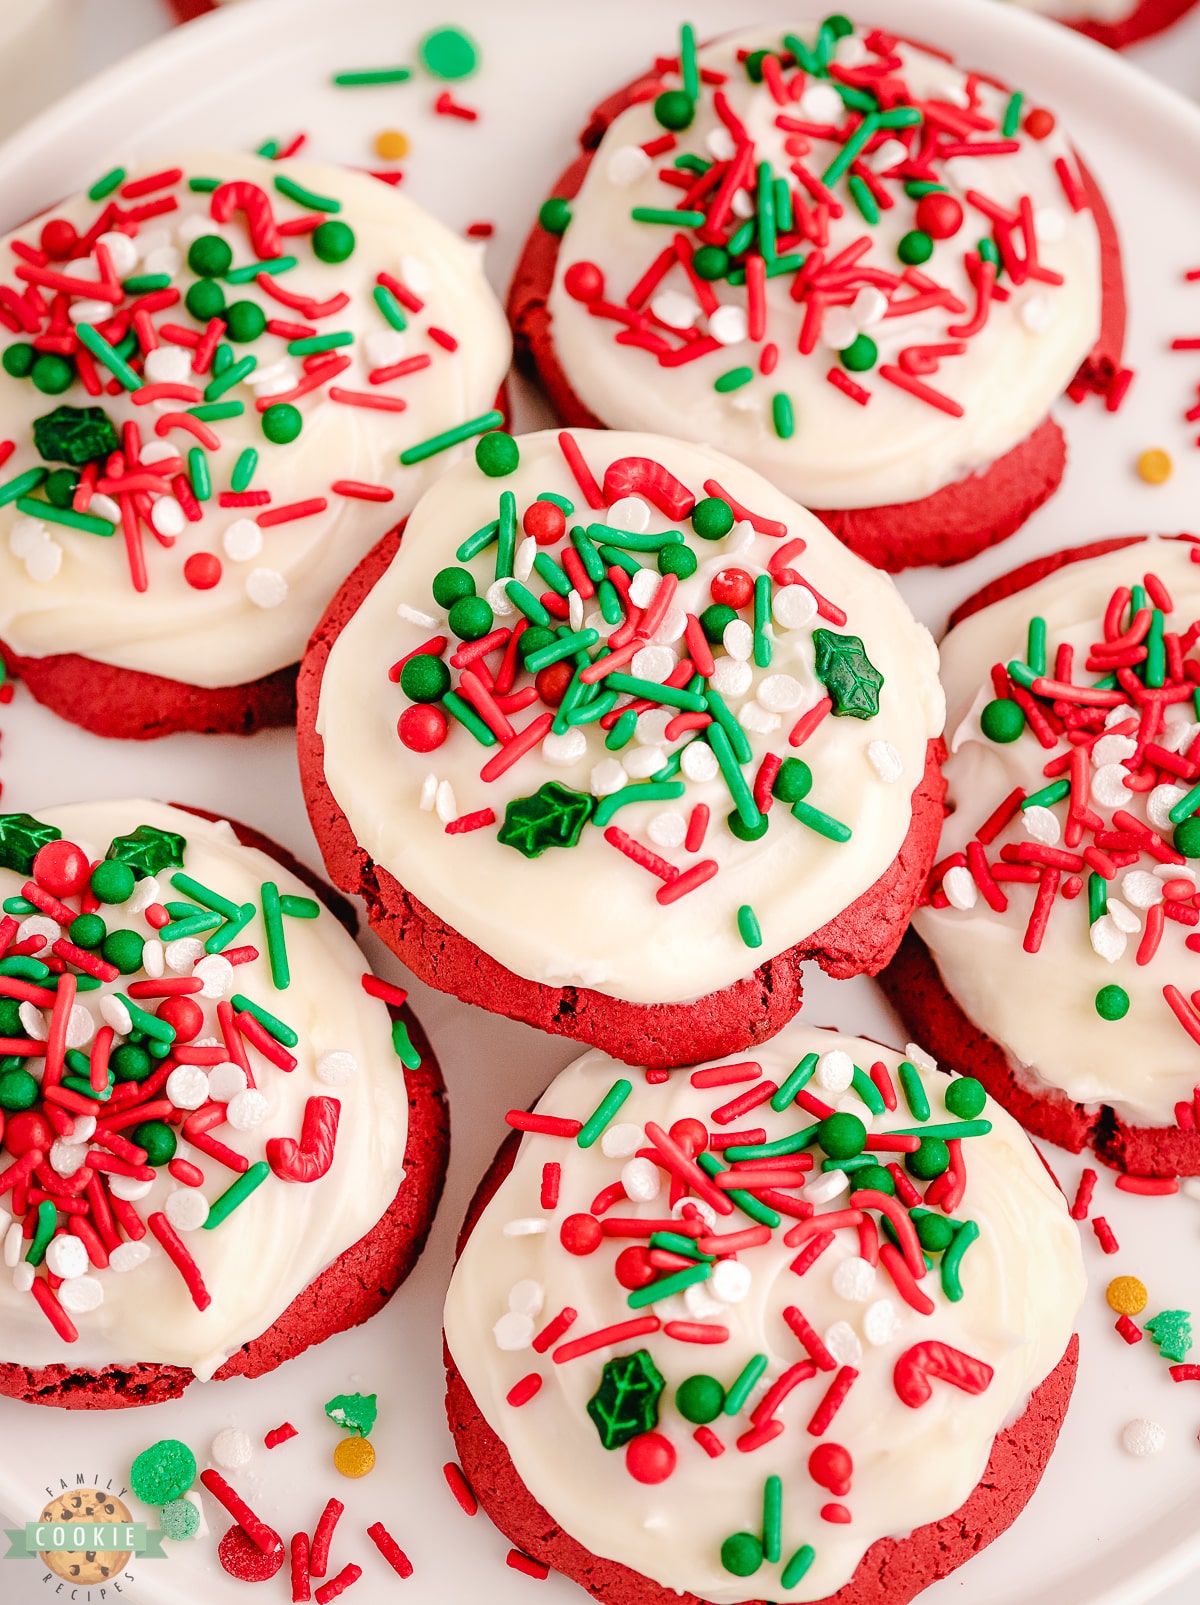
[(916, 1054), (959, 886), (1113, 749), (39, 925), (719, 143), (668, 829), (728, 325), (242, 541), (731, 677), (186, 1208), (167, 516), (1141, 890), (87, 311), (1042, 825), (793, 607), (248, 1110), (168, 365), (66, 1256), (33, 1021), (445, 804), (266, 587), (81, 1026), (182, 953), (880, 1322), (568, 748), (854, 1279), (1107, 940), (22, 1277), (1109, 788), (526, 1226), (839, 328), (619, 1141), (67, 1157), (835, 1071), (122, 253), (1142, 1437), (829, 1184), (699, 761), (643, 585), (128, 1256), (382, 347), (869, 306), (231, 1448), (82, 1295), (336, 1067), (498, 599), (738, 639), (641, 1180), (273, 380), (1159, 803), (1123, 917), (628, 164), (780, 693), (695, 1207), (129, 1188), (651, 727), (821, 103), (642, 762), (606, 777), (44, 562), (113, 1012), (629, 513), (753, 716), (730, 1281), (227, 1079), (653, 663), (187, 1086), (676, 310), (154, 959), (145, 892), (428, 796), (523, 561), (842, 1342), (105, 507), (216, 973)]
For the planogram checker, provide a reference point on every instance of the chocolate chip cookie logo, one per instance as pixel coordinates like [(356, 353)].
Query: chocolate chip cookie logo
[(86, 1537)]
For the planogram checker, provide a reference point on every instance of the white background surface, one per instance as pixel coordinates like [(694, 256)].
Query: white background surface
[(1103, 1528)]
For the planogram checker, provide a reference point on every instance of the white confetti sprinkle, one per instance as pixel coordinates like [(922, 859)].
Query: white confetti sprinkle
[(835, 1071), (780, 693), (128, 1256), (1107, 940), (33, 1021), (182, 953), (216, 974), (606, 777), (793, 607), (829, 1184), (242, 541), (1119, 714), (247, 1111), (697, 1207), (527, 1297), (187, 1086), (105, 507), (167, 516), (1123, 917), (869, 307), (167, 365), (621, 1140), (43, 563), (445, 804), (916, 1054), (885, 761), (66, 1157), (383, 347), (738, 639), (226, 1080), (26, 535), (672, 627), (699, 762), (81, 1026), (82, 1295), (231, 1448), (839, 328), (428, 796), (740, 538), (641, 1180), (129, 1188), (676, 310), (499, 601), (1108, 786), (22, 1277), (1042, 825), (113, 1012), (1141, 1437), (719, 143), (39, 925), (186, 1208), (643, 585), (154, 959), (728, 325), (523, 561), (753, 716), (854, 1279), (653, 663), (842, 1342), (1141, 890), (959, 886), (630, 514), (700, 1303), (144, 893), (266, 587), (1113, 749), (628, 164), (730, 1281), (122, 253), (731, 677), (880, 1322), (528, 1226), (821, 103), (642, 762), (651, 727), (743, 203), (568, 748), (414, 615), (667, 829), (1159, 803), (66, 1256)]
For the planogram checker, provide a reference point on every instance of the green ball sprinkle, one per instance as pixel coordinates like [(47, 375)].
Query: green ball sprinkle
[(124, 949), (712, 518), (876, 1177), (18, 1090), (205, 300), (842, 1136), (87, 930), (52, 374), (934, 1232), (965, 1097), (554, 214), (534, 639), (282, 423), (157, 1138), (424, 678), (862, 353), (59, 486), (450, 585), (1001, 720), (210, 256), (714, 619), (333, 241), (10, 1018), (1112, 1003), (742, 1554), (470, 618), (744, 832), (245, 321), (931, 1159), (711, 262), (915, 247), (674, 109), (130, 1062), (448, 53), (700, 1399), (754, 65), (113, 881), (1187, 837), (839, 26), (794, 780), (497, 454), (179, 1520), (164, 1472), (18, 359), (678, 558)]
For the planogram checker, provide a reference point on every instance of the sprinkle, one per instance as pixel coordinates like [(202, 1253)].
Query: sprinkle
[(374, 75), (748, 928), (279, 1435), (390, 1549), (603, 1113), (606, 1337), (1104, 1235), (460, 1488)]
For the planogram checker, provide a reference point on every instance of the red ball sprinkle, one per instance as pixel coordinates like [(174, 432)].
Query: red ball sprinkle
[(581, 1234), (940, 216), (691, 1135), (1039, 123), (650, 1457), (545, 521), (422, 728), (633, 1267), (552, 682), (830, 1465), (731, 587), (59, 238), (202, 571), (242, 1558), (27, 1131), (584, 281), (61, 868), (184, 1014)]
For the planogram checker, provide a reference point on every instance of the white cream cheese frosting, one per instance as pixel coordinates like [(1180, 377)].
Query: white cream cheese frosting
[(590, 915), (1042, 1007), (284, 1233), (897, 447), (911, 1464), (67, 590)]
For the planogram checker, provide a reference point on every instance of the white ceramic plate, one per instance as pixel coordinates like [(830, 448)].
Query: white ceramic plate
[(1103, 1527)]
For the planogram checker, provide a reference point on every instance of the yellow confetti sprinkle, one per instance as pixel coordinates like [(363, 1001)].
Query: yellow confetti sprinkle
[(391, 144), (1154, 466), (1126, 1295), (354, 1457)]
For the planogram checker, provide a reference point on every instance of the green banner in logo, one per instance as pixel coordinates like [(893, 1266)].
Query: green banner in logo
[(76, 1536)]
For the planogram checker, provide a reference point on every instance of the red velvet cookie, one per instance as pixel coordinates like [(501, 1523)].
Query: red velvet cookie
[(403, 854), (359, 1126), (1068, 871), (865, 450)]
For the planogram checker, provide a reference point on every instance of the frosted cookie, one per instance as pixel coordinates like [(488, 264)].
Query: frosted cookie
[(615, 737), (694, 1325), (1114, 22), (865, 271), (1055, 952), (223, 379), (220, 1140)]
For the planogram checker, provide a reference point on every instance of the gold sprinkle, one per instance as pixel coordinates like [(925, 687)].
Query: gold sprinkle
[(1154, 466), (391, 144), (1126, 1295), (354, 1457)]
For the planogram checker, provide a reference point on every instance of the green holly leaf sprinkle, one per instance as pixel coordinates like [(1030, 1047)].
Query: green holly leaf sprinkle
[(354, 1411), (75, 435), (148, 850), (626, 1403), (21, 835), (553, 817), (847, 673), (1172, 1332)]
